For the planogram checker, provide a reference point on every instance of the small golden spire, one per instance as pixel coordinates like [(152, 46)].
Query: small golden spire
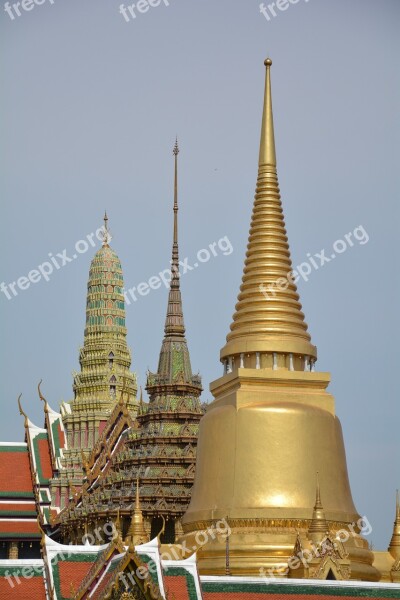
[(319, 525), (22, 413), (268, 315), (137, 533), (394, 546)]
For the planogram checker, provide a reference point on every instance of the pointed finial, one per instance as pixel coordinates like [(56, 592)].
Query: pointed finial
[(21, 412), (318, 503), (267, 142), (137, 498), (318, 525), (106, 233), (175, 151), (174, 324), (394, 546)]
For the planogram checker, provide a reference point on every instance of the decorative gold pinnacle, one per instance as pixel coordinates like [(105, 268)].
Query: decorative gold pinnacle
[(21, 411), (394, 546), (318, 524), (267, 142), (268, 315), (137, 533)]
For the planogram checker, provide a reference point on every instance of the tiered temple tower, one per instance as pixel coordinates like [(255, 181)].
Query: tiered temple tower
[(161, 452), (105, 362), (272, 425), (154, 458)]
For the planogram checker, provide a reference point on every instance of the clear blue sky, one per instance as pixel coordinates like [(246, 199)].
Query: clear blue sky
[(91, 106)]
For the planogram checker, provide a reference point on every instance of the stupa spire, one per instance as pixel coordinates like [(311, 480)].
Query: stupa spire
[(268, 315), (394, 546), (267, 142), (318, 524), (137, 532), (174, 324)]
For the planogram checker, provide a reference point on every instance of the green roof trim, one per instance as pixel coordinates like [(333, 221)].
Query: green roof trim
[(16, 513), (19, 535), (15, 570), (16, 494), (86, 557), (56, 437), (151, 566), (302, 590), (36, 440), (190, 581), (13, 448)]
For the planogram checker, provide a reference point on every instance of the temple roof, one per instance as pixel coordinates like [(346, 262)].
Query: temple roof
[(18, 512)]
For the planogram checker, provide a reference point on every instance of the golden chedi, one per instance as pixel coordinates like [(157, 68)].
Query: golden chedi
[(272, 425)]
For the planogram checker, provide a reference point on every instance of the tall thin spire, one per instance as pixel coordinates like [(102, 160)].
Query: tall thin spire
[(174, 324), (394, 546), (267, 142), (268, 315), (318, 526)]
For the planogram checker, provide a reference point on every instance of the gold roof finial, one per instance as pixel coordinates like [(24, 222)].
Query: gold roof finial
[(318, 503), (137, 533), (267, 142), (394, 546), (42, 398), (21, 412), (137, 496), (318, 526), (268, 315)]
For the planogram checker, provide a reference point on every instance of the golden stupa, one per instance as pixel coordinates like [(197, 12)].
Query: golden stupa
[(272, 425)]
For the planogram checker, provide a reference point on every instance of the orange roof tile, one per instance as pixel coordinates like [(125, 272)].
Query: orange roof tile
[(177, 586), (45, 460), (14, 526), (28, 589), (72, 573), (15, 472)]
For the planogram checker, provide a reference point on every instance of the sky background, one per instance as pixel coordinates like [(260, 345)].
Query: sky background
[(91, 106)]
